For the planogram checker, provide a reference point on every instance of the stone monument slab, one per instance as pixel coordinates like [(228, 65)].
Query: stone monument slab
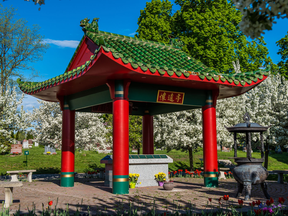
[(145, 165)]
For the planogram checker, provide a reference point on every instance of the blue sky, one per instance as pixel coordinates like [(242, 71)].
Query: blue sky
[(59, 21)]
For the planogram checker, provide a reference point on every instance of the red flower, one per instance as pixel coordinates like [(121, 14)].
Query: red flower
[(226, 197), (240, 202), (169, 173), (89, 172), (210, 200), (230, 172), (271, 200), (258, 202), (175, 172), (257, 211), (225, 173), (281, 200), (268, 203), (50, 203), (164, 214), (219, 199)]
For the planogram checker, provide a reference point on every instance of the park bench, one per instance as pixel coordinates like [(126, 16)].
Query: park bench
[(280, 175), (8, 190), (14, 175)]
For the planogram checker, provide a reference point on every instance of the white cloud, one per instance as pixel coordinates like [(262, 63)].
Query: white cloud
[(29, 103), (62, 43), (132, 34)]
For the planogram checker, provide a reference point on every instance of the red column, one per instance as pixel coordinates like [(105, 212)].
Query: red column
[(147, 134), (68, 147), (120, 140), (210, 143)]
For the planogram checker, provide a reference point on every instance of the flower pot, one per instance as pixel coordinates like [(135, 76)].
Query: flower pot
[(132, 185), (168, 185), (161, 184)]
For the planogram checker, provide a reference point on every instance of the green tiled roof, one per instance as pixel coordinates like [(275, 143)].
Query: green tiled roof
[(157, 57)]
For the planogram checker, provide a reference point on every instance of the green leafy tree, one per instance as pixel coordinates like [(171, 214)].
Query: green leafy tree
[(210, 31), (155, 21), (19, 46), (135, 129), (135, 132), (283, 51), (29, 135)]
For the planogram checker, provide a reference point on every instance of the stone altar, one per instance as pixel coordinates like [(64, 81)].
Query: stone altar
[(145, 165)]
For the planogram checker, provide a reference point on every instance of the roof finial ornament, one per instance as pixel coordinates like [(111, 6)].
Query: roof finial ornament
[(246, 118), (92, 27)]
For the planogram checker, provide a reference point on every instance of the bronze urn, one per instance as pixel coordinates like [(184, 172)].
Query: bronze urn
[(249, 171)]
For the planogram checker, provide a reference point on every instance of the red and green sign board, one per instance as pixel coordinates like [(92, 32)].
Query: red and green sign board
[(170, 97)]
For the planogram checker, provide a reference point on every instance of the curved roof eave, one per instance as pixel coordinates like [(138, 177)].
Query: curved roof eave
[(50, 90)]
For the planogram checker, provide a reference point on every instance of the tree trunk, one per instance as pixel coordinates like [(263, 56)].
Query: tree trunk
[(266, 155), (191, 158)]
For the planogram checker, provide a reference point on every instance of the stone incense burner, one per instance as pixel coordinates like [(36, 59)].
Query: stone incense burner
[(249, 171)]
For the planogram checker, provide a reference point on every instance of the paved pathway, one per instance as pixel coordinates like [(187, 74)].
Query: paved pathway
[(187, 193)]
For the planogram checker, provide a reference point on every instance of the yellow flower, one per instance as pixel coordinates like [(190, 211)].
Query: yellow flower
[(164, 179), (139, 182), (130, 174), (137, 175)]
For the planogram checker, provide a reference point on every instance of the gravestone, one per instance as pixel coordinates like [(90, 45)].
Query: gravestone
[(218, 147), (30, 141), (134, 150), (49, 149), (25, 144), (19, 142), (224, 149), (16, 148), (36, 144)]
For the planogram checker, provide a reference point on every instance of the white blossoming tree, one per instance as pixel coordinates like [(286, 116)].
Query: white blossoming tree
[(260, 15), (12, 119), (179, 130), (89, 128)]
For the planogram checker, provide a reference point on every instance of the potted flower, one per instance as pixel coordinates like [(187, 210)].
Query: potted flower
[(133, 178), (48, 153), (168, 185), (160, 178)]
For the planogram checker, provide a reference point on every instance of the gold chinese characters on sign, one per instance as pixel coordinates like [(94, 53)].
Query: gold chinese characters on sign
[(170, 97)]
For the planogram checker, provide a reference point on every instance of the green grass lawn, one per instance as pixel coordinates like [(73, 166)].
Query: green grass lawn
[(90, 160)]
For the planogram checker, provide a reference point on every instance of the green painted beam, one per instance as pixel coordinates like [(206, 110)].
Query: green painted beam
[(143, 93), (153, 108), (90, 97), (157, 109)]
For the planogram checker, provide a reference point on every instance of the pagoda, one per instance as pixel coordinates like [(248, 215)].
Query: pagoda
[(112, 73)]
